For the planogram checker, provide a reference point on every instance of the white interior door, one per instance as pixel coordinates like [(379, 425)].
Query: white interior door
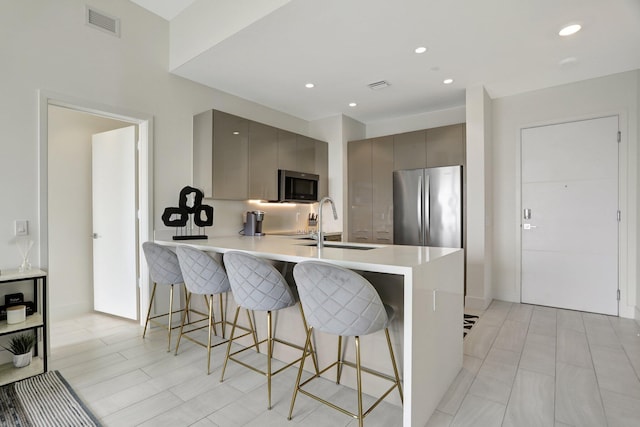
[(570, 215), (114, 222)]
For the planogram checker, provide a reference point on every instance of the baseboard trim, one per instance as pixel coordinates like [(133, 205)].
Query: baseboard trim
[(476, 303), (70, 310)]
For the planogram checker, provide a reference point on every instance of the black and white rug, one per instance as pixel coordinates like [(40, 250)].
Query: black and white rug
[(43, 400), (469, 321)]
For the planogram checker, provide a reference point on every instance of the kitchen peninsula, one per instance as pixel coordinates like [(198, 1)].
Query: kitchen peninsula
[(425, 284)]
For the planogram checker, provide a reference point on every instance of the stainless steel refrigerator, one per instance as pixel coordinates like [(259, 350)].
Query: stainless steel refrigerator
[(427, 207)]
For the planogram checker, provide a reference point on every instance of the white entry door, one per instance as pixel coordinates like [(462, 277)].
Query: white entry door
[(114, 222), (570, 215)]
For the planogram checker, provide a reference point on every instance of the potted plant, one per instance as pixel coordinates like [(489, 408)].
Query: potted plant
[(21, 346)]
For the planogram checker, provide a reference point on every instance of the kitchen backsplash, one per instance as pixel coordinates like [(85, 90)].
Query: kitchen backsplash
[(229, 216)]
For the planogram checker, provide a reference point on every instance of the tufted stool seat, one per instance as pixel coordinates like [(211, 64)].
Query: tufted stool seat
[(164, 270), (205, 276), (257, 285), (340, 302)]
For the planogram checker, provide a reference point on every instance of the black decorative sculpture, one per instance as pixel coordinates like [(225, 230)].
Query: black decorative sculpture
[(190, 203)]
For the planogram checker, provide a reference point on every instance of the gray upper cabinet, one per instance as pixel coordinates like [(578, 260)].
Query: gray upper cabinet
[(263, 162), (296, 152), (410, 150), (305, 154), (230, 157), (322, 167), (445, 146), (203, 152), (238, 159), (287, 149)]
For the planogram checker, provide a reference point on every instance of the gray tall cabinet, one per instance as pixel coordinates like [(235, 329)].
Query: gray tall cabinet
[(238, 159), (370, 166)]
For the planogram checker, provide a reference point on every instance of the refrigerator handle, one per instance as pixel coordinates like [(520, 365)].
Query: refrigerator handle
[(419, 206), (427, 214)]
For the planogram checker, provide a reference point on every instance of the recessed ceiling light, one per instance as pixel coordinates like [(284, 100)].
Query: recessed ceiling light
[(352, 104), (447, 81), (570, 29), (568, 61), (420, 49), (235, 132), (309, 85)]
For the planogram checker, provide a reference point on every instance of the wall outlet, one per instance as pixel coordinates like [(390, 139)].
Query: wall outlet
[(21, 227)]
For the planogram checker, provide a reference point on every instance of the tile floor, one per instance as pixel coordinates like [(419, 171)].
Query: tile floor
[(523, 366), (129, 381), (537, 366)]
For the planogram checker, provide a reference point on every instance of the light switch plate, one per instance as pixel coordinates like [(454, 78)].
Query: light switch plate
[(21, 227)]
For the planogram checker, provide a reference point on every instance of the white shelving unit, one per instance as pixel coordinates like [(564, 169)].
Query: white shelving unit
[(35, 323)]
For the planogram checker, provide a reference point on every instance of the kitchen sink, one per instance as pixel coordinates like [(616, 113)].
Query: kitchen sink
[(339, 246)]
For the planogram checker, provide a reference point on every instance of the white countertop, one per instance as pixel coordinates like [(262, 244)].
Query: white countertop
[(394, 259)]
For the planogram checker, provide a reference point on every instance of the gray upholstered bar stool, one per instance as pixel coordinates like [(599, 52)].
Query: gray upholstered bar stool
[(340, 302), (204, 276), (164, 270), (258, 286)]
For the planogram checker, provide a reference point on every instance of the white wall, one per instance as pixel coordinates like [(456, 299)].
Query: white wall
[(52, 49), (431, 119), (479, 217), (70, 242), (616, 94), (208, 22)]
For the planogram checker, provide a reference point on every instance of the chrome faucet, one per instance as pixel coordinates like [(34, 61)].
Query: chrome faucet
[(320, 234)]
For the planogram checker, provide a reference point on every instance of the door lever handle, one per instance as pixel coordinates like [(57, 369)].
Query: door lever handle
[(529, 226), (95, 235)]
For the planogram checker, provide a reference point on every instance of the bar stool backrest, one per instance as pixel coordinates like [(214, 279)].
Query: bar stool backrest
[(164, 268), (202, 274), (256, 284), (338, 301)]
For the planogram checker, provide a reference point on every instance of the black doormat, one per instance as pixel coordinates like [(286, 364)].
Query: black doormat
[(469, 321), (43, 400)]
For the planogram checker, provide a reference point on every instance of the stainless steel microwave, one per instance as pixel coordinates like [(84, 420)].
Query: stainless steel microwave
[(298, 187)]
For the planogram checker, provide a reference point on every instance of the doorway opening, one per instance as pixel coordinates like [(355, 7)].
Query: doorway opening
[(66, 195)]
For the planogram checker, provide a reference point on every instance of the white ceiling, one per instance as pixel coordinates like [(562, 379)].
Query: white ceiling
[(343, 45)]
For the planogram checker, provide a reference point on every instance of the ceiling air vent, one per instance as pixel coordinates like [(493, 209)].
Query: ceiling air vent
[(378, 85), (103, 22)]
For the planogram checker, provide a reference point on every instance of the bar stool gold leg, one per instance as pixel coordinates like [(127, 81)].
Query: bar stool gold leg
[(184, 288), (170, 316), (233, 329), (269, 353), (253, 331), (297, 386), (153, 294), (184, 315), (359, 382), (339, 365), (209, 337), (395, 366), (306, 329), (222, 322), (208, 302)]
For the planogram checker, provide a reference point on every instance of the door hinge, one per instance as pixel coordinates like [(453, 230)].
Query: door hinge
[(619, 136), (619, 216), (618, 294)]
